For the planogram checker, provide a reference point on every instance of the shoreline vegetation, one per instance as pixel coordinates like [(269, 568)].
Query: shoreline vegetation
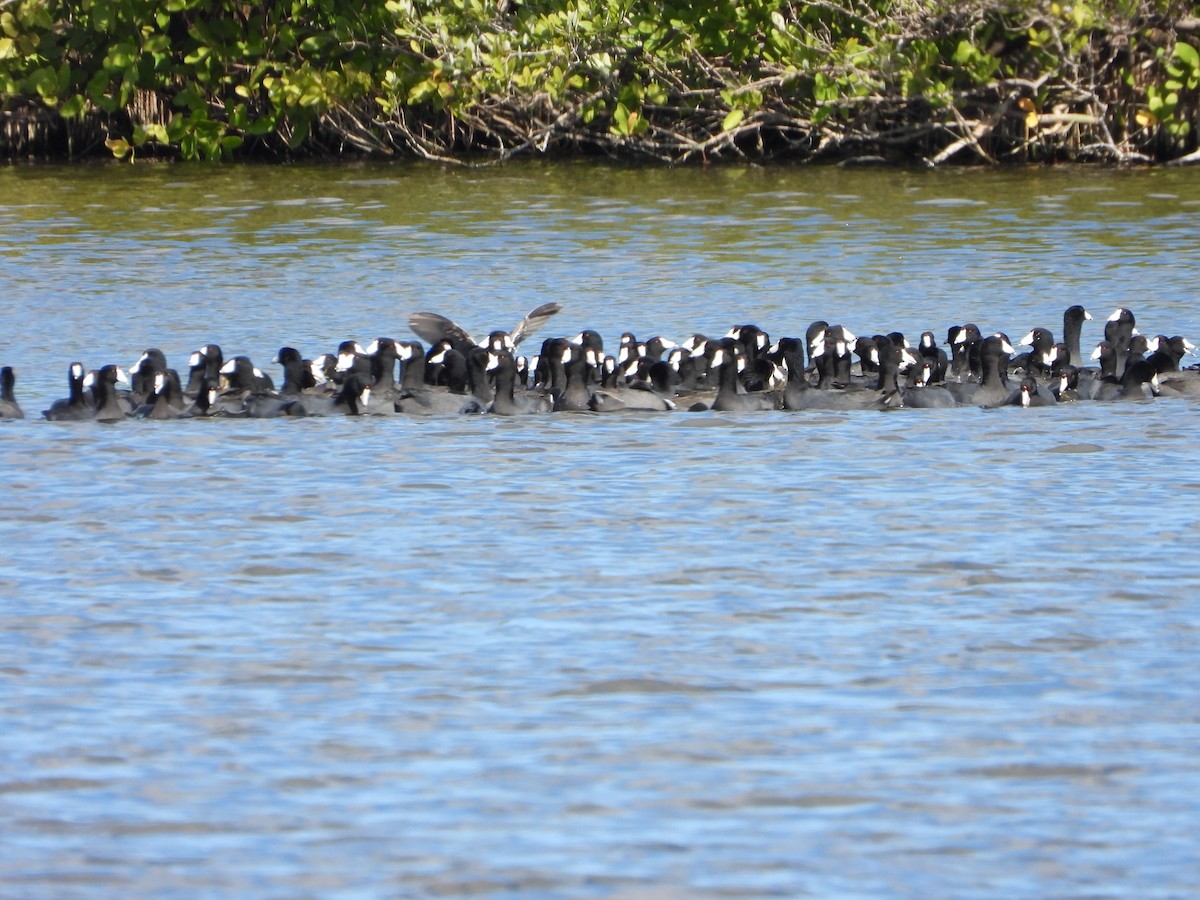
[(933, 82)]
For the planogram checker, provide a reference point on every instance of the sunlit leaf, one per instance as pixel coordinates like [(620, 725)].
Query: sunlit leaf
[(119, 147), (1187, 54)]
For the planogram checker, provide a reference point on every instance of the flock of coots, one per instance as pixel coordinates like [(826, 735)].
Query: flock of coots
[(449, 372)]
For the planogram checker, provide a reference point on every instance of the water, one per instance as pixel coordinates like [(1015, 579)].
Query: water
[(936, 653)]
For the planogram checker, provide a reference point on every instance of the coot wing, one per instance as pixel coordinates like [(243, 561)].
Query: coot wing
[(534, 321), (431, 328)]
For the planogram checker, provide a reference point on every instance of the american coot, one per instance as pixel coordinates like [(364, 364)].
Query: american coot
[(831, 352), (928, 349), (353, 398), (383, 354), (657, 347), (630, 353), (577, 366), (298, 373), (640, 396), (75, 407), (107, 406), (323, 368), (798, 393), (731, 396), (204, 364), (1066, 389), (548, 371), (433, 327), (9, 407), (452, 370), (1073, 320), (352, 357), (417, 396), (964, 343), (738, 371), (923, 393), (992, 389), (240, 374), (1041, 356), (1028, 395), (1119, 331), (633, 398), (589, 338), (815, 329), (166, 398), (507, 401), (142, 375), (867, 351), (1140, 382), (753, 340), (1167, 359)]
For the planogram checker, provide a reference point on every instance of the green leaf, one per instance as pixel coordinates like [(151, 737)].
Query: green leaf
[(621, 119), (35, 15), (158, 44), (154, 132), (198, 55), (121, 56), (315, 43), (45, 82), (261, 126), (631, 94), (421, 91), (299, 134), (733, 120), (1187, 54), (119, 146), (656, 94), (72, 108)]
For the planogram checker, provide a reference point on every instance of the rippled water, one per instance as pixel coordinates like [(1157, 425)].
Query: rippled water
[(931, 653)]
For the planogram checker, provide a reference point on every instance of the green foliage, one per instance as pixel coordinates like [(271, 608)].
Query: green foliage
[(209, 79), (229, 71), (1163, 102)]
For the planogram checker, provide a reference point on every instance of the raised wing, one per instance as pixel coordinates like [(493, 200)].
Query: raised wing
[(534, 321), (431, 328)]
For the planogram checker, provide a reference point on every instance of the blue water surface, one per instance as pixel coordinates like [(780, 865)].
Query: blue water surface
[(829, 654)]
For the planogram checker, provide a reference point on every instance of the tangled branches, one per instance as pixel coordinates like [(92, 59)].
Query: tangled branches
[(480, 82)]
